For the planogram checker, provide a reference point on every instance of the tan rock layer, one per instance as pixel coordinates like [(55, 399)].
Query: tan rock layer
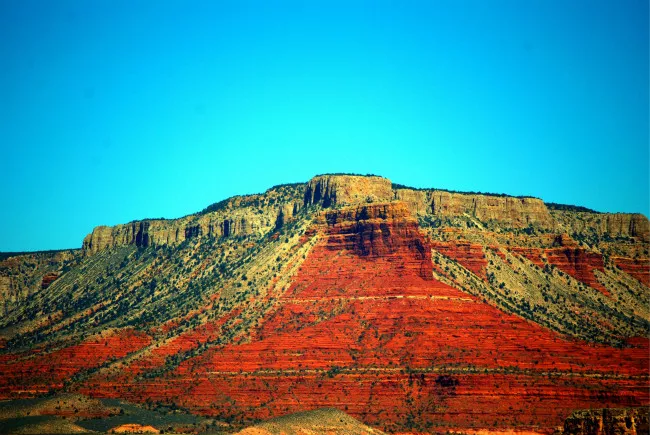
[(171, 232), (329, 190), (517, 211), (241, 217)]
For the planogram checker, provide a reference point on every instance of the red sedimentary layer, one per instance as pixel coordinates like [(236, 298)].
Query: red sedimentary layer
[(535, 255), (469, 255), (639, 268), (378, 230), (41, 373), (496, 249), (48, 279), (184, 342), (577, 262), (364, 329)]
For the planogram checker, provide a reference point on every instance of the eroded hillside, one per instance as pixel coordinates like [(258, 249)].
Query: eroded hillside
[(408, 309)]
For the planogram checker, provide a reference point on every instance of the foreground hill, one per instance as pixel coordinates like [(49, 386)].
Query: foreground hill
[(409, 309), (317, 422)]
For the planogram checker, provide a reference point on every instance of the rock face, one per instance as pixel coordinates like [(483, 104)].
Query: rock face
[(25, 376), (517, 212), (608, 422), (578, 263), (171, 232), (468, 254), (48, 279), (376, 230), (329, 190), (365, 327), (237, 216), (257, 214), (639, 268), (611, 224), (520, 212)]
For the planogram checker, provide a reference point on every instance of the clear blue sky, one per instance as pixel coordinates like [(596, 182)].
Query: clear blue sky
[(117, 110)]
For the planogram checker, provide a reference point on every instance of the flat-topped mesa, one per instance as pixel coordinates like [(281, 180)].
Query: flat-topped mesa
[(515, 211), (329, 190)]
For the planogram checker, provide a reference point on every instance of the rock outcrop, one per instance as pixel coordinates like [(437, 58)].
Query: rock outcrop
[(26, 274), (237, 216), (376, 230), (364, 326), (516, 211), (607, 422), (639, 268), (48, 279), (329, 190), (174, 231), (408, 309), (601, 224)]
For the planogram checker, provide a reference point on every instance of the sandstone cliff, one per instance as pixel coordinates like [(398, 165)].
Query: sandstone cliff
[(611, 224), (378, 230), (410, 309), (515, 211), (237, 216), (258, 214), (329, 190)]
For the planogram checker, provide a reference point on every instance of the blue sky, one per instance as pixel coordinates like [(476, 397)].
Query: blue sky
[(118, 110)]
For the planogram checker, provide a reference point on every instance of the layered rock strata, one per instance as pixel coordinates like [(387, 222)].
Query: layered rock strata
[(364, 327), (237, 216)]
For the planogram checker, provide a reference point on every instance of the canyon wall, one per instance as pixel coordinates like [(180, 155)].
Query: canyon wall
[(170, 232), (257, 214), (237, 216), (515, 211), (329, 190), (612, 224)]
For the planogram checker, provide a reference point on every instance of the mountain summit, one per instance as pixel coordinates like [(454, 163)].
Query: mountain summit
[(409, 309)]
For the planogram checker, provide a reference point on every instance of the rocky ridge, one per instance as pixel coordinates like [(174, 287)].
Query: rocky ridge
[(235, 217), (416, 310), (258, 214)]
